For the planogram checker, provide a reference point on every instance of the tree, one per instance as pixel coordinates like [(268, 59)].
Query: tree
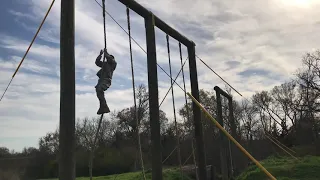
[(264, 104), (4, 152), (30, 151), (308, 79), (284, 99), (126, 117), (310, 73), (208, 101), (50, 142), (249, 120)]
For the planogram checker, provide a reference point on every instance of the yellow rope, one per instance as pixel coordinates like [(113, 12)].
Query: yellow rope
[(231, 138)]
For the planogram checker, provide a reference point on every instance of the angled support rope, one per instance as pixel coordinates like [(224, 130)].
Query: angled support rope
[(277, 143), (26, 53), (284, 146), (134, 96), (281, 147), (172, 84)]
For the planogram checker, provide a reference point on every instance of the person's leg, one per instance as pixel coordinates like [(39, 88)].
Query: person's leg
[(100, 88)]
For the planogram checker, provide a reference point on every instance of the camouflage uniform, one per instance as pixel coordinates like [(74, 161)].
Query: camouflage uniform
[(104, 82)]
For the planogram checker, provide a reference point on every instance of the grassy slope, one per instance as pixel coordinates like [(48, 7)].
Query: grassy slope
[(168, 174), (307, 168)]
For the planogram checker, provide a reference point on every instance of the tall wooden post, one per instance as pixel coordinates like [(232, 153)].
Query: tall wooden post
[(153, 98), (223, 153), (67, 93), (234, 134), (197, 113)]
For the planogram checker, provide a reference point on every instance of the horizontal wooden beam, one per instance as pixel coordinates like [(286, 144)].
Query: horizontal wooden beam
[(222, 92), (142, 11)]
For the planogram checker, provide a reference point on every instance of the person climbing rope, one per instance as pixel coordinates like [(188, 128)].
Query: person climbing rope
[(105, 77)]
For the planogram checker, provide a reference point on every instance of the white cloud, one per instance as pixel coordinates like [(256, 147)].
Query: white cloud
[(12, 43)]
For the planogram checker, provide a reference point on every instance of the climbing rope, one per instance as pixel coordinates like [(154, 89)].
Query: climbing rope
[(104, 32), (134, 96), (103, 62), (104, 57), (104, 23), (184, 82), (174, 108)]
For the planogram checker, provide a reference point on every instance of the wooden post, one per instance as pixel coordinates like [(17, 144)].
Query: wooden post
[(223, 157), (234, 134), (197, 113), (153, 98), (213, 173), (67, 93)]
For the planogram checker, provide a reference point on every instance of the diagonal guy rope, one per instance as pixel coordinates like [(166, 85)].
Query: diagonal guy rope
[(26, 53)]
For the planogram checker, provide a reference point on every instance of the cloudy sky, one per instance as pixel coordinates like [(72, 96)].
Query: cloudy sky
[(254, 45)]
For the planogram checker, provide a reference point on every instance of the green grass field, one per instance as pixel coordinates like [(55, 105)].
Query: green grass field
[(168, 174), (282, 168), (307, 168)]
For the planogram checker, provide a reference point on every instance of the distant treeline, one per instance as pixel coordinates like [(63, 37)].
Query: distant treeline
[(289, 112)]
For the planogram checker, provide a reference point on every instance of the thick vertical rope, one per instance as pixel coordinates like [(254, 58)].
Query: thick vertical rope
[(104, 33), (104, 57), (134, 96), (174, 109), (104, 23), (188, 115)]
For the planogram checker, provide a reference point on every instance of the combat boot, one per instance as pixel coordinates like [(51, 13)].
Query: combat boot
[(103, 108)]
